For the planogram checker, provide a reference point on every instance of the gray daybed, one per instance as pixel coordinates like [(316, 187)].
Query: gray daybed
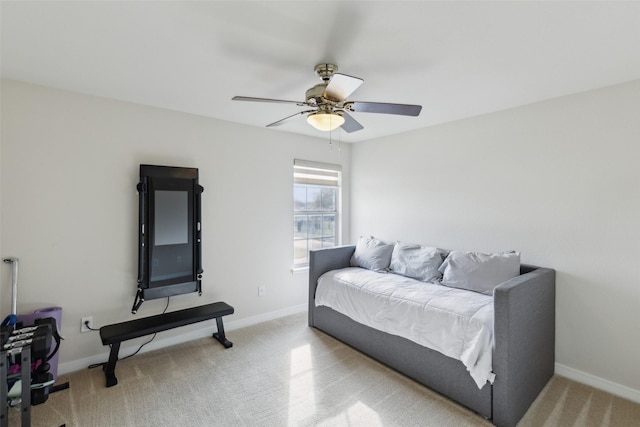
[(523, 347)]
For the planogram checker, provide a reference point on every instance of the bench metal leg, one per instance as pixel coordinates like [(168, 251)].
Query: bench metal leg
[(110, 367), (220, 334)]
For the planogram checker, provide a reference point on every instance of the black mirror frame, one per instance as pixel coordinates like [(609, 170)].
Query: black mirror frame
[(153, 178)]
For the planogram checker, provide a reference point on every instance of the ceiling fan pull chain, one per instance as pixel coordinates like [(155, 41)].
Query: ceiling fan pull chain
[(330, 141), (330, 135)]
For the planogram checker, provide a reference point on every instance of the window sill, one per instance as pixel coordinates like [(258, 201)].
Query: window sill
[(299, 270)]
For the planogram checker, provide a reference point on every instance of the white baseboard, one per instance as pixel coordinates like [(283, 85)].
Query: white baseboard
[(599, 383), (254, 320), (79, 364)]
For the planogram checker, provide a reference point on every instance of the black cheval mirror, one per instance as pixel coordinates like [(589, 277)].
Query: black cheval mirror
[(169, 248)]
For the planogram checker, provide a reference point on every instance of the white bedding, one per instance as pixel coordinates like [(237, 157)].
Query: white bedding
[(457, 323)]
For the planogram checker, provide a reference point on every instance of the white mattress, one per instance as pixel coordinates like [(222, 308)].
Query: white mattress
[(455, 322)]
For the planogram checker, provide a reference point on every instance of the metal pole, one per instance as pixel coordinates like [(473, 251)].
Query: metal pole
[(14, 284)]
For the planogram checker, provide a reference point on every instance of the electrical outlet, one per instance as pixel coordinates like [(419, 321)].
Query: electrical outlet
[(83, 326), (262, 291)]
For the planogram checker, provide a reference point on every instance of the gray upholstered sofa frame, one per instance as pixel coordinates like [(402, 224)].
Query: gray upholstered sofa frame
[(524, 342)]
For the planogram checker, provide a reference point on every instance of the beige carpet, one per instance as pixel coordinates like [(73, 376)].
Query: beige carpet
[(283, 373)]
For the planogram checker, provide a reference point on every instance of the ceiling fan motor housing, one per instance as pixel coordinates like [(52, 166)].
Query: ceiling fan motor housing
[(315, 95)]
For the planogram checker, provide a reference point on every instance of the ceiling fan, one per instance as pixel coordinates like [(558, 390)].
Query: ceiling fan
[(329, 106)]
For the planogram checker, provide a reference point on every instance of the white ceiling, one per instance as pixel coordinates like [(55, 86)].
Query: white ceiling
[(456, 59)]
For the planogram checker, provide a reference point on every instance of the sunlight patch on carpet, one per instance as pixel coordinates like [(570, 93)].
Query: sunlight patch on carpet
[(357, 414), (301, 386)]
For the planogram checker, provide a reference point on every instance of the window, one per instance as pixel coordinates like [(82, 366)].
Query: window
[(316, 208)]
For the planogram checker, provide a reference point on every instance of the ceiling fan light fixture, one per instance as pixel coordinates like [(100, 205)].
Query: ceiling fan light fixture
[(325, 121)]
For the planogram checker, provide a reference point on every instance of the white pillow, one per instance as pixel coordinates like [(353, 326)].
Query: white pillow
[(416, 261), (479, 272), (372, 254)]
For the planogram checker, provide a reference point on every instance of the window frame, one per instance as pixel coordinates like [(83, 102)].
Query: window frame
[(312, 174)]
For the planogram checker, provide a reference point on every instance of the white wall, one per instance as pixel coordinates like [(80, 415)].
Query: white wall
[(558, 181), (70, 165)]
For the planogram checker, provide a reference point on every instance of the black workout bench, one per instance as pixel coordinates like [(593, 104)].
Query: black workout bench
[(114, 334)]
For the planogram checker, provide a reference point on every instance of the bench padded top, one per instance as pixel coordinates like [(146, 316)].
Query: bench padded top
[(136, 328)]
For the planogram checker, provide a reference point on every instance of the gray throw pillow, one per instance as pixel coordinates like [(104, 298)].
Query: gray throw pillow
[(479, 272), (416, 261), (372, 254)]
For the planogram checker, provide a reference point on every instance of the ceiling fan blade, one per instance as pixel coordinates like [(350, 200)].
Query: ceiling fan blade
[(384, 108), (350, 124), (251, 99), (279, 122), (341, 86)]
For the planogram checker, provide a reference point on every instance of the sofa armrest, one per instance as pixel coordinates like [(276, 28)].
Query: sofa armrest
[(321, 261), (524, 336)]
